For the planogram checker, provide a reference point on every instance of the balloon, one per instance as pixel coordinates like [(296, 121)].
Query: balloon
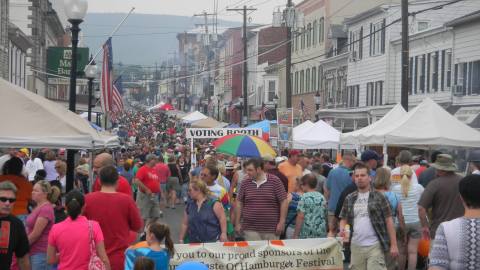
[(424, 247), (192, 266)]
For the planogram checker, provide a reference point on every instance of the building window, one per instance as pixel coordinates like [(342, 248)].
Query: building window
[(352, 95), (422, 26), (374, 93), (369, 95), (315, 31), (296, 82), (309, 35), (379, 93), (447, 79), (307, 81), (297, 39), (302, 82), (467, 78), (320, 78), (304, 33), (435, 71), (271, 90), (356, 44), (422, 74), (314, 79), (377, 38), (321, 30)]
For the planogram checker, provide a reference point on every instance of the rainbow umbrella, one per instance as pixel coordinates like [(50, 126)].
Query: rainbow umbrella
[(243, 146)]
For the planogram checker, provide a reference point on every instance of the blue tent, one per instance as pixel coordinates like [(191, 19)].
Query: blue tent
[(233, 126), (264, 125)]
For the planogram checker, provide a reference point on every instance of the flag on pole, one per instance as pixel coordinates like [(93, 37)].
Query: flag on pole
[(304, 110), (117, 102), (263, 111), (106, 77)]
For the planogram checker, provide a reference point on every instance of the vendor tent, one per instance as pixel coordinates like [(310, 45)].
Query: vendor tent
[(300, 129), (194, 116), (156, 106), (320, 136), (373, 132), (34, 121), (429, 124), (206, 123), (264, 125)]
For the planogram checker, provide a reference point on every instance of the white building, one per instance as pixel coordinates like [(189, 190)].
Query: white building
[(373, 84)]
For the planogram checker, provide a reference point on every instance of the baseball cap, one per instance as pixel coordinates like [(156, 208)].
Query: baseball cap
[(24, 150), (268, 158), (369, 155), (279, 160), (294, 152)]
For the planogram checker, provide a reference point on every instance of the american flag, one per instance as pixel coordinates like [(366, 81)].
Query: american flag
[(305, 111), (263, 111), (111, 97)]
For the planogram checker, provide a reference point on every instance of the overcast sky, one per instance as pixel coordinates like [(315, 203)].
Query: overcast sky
[(189, 7)]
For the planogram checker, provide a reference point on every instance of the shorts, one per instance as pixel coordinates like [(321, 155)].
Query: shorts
[(173, 184), (163, 187), (414, 230), (148, 205)]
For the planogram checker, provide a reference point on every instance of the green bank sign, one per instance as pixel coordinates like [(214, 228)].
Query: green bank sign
[(59, 60)]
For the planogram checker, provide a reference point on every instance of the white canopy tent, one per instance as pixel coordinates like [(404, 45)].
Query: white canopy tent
[(320, 136), (36, 122), (374, 132), (194, 116), (300, 129), (429, 124)]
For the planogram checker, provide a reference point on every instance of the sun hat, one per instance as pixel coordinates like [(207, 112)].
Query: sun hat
[(445, 162)]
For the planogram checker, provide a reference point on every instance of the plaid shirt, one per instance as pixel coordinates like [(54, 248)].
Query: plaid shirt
[(378, 211)]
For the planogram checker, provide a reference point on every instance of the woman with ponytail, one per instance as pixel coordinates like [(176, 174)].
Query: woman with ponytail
[(39, 223), (409, 194), (69, 241), (160, 247)]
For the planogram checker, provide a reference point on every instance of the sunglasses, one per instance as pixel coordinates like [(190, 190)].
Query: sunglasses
[(5, 199)]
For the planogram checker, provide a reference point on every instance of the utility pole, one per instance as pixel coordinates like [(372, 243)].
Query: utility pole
[(288, 61), (405, 56), (207, 52), (245, 64), (185, 70)]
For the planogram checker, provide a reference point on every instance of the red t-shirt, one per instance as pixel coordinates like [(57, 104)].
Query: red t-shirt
[(123, 186), (116, 222), (148, 176), (163, 172)]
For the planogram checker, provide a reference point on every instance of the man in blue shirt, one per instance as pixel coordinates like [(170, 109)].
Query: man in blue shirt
[(338, 179), (371, 158)]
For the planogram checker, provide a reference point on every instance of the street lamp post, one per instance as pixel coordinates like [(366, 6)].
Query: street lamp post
[(91, 73), (275, 102), (218, 107), (75, 11), (241, 111), (317, 104)]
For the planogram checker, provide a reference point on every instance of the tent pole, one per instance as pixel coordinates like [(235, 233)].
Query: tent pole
[(90, 171), (385, 154)]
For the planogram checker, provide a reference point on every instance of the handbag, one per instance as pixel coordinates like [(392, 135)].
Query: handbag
[(95, 262)]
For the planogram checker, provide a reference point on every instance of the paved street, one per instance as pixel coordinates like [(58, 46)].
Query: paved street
[(173, 217)]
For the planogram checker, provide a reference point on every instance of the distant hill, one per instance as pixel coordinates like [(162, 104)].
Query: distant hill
[(144, 38)]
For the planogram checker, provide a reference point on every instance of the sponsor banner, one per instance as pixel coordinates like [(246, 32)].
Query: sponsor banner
[(306, 254), (285, 117), (213, 133)]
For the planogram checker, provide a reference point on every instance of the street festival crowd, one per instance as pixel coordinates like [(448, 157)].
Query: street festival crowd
[(413, 213)]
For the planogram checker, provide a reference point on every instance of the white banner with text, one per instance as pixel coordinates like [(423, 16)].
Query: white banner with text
[(213, 133)]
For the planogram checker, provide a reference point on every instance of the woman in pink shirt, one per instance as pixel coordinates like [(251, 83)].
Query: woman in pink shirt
[(69, 241), (39, 224)]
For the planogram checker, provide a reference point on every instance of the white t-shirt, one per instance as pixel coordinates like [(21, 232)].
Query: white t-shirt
[(363, 233), (32, 167), (396, 178)]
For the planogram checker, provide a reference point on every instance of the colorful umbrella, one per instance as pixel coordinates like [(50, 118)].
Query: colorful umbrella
[(243, 146)]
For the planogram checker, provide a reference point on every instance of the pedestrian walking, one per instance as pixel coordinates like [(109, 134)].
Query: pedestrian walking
[(12, 172), (70, 241), (293, 198), (160, 247), (49, 166), (369, 214), (441, 196), (311, 219), (148, 190), (103, 160), (173, 182), (456, 242), (261, 205), (39, 223), (291, 169), (409, 194), (204, 218), (15, 240), (271, 168), (116, 222), (338, 179)]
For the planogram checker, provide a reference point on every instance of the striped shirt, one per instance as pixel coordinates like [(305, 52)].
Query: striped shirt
[(261, 204)]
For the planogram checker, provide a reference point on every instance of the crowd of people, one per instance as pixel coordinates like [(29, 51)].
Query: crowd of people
[(381, 214)]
